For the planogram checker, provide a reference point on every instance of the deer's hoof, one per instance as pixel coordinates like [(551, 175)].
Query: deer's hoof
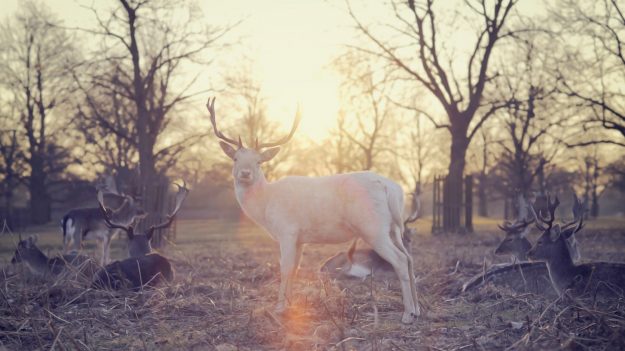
[(417, 313), (407, 318)]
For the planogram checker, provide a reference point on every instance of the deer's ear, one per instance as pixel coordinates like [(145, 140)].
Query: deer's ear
[(269, 154), (228, 149)]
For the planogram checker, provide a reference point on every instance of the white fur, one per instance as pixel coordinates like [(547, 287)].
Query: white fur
[(332, 209), (69, 233), (358, 271)]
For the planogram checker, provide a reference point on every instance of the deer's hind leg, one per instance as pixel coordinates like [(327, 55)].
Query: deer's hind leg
[(382, 243), (397, 240)]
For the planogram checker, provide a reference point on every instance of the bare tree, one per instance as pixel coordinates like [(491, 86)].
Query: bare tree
[(148, 43), (595, 76), (616, 172), (369, 116), (483, 182), (596, 180), (249, 105), (105, 117), (36, 58), (420, 57), (11, 168)]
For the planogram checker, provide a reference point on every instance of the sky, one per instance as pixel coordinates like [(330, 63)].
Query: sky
[(290, 43)]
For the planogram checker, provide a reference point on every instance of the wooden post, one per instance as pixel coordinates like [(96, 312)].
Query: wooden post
[(436, 205), (468, 203)]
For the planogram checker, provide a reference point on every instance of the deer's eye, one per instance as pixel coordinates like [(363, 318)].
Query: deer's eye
[(235, 159)]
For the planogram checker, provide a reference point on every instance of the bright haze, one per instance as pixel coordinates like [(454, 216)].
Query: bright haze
[(291, 46)]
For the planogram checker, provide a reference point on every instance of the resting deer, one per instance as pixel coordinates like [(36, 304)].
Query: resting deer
[(134, 273), (593, 277), (363, 262), (143, 268), (516, 244), (39, 264), (88, 223), (303, 210), (520, 276)]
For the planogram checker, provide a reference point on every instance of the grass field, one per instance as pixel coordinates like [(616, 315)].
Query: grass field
[(226, 287)]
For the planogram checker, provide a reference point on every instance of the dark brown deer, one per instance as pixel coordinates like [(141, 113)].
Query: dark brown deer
[(364, 262), (143, 268), (593, 278), (521, 276), (134, 273), (40, 265), (88, 223), (516, 244), (139, 244)]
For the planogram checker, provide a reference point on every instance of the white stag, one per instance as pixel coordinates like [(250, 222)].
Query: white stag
[(299, 210)]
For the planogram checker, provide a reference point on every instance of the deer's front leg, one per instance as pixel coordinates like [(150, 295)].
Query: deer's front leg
[(298, 258), (288, 262)]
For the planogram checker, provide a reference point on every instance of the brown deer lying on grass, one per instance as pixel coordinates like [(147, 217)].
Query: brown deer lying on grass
[(144, 268), (521, 275), (516, 244), (40, 265), (134, 273), (593, 278), (364, 262)]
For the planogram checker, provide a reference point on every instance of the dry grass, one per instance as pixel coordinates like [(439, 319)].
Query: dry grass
[(226, 286)]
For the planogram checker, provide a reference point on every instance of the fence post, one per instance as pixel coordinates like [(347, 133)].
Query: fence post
[(435, 213), (468, 203)]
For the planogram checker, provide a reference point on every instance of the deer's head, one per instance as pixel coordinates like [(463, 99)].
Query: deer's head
[(515, 242), (554, 239), (25, 249), (246, 169), (139, 244)]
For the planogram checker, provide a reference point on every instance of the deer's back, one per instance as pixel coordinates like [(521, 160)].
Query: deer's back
[(599, 278), (334, 207), (81, 264), (134, 272), (87, 218), (523, 277)]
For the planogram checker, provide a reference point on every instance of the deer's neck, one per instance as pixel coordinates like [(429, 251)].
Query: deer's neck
[(253, 199), (525, 246), (36, 261), (562, 270)]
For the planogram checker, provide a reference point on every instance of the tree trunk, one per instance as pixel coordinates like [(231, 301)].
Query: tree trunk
[(594, 209), (39, 199), (482, 207), (452, 200)]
